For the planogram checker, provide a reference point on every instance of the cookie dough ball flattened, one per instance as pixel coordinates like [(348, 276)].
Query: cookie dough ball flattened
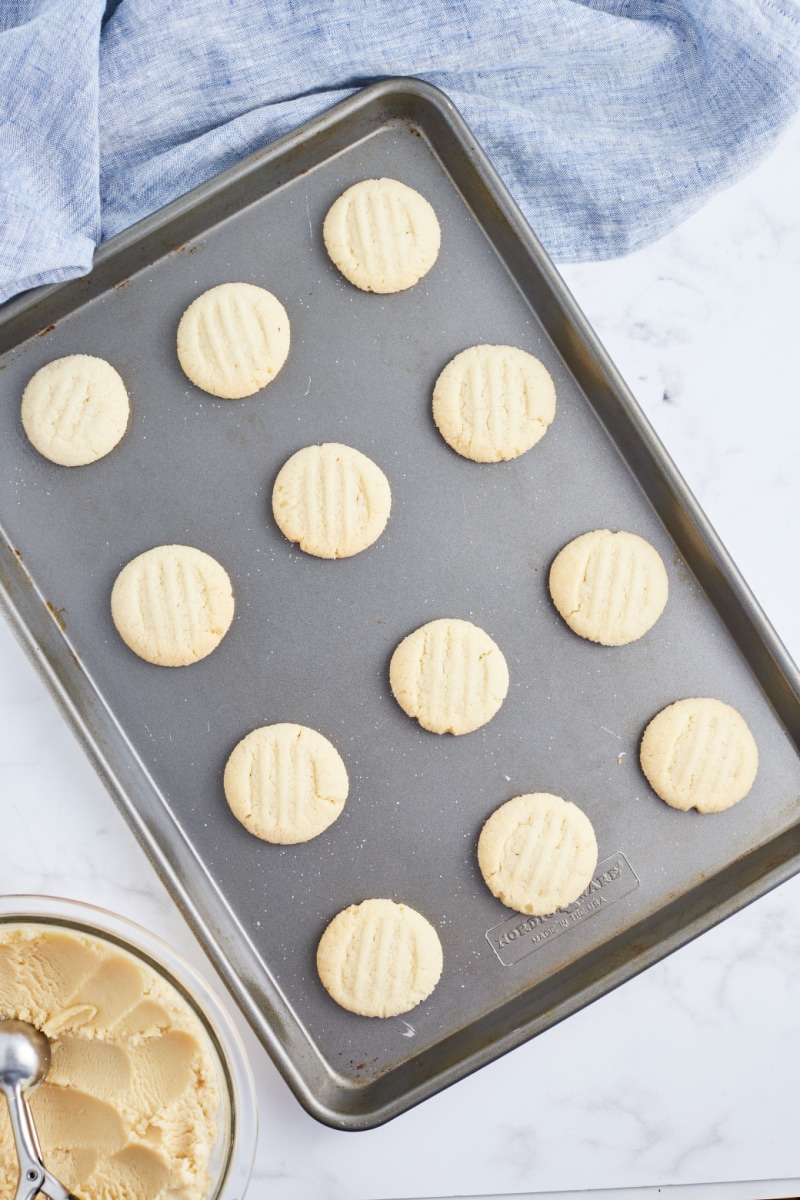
[(699, 753), (172, 605), (233, 340), (379, 959), (449, 675), (332, 500), (285, 783), (609, 587), (537, 853), (382, 235), (492, 403), (75, 410)]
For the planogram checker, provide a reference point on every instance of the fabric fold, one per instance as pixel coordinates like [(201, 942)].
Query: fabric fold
[(609, 120), (49, 143)]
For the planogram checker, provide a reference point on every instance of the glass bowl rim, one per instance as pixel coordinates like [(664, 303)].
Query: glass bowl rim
[(189, 983)]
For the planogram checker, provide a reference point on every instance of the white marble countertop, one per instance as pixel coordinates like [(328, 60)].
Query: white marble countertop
[(689, 1073)]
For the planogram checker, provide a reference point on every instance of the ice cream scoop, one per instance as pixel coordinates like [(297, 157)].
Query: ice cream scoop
[(24, 1062)]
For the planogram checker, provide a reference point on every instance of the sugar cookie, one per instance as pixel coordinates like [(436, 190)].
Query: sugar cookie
[(75, 410), (609, 587), (379, 959), (285, 783), (332, 500), (492, 403), (449, 675), (699, 753), (382, 235), (172, 605), (537, 853), (233, 340)]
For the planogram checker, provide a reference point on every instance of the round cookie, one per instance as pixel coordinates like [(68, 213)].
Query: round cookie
[(699, 753), (382, 235), (75, 410), (449, 675), (233, 340), (492, 403), (285, 783), (609, 587), (379, 959), (537, 853), (172, 605), (332, 500)]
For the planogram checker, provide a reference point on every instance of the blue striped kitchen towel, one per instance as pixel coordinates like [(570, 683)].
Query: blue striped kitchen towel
[(609, 120)]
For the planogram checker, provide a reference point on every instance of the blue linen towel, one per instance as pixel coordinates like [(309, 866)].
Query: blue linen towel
[(609, 120)]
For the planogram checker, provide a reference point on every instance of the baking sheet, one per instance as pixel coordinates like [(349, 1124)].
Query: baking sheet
[(311, 639)]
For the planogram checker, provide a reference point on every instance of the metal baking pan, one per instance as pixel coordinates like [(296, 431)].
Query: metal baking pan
[(311, 639)]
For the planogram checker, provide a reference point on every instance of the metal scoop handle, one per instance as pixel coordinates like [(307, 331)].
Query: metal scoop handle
[(34, 1178)]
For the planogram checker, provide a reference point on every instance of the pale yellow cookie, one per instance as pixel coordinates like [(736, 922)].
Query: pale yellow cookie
[(75, 410), (379, 959), (285, 783), (382, 235), (233, 340), (537, 853), (492, 403), (332, 500), (609, 587), (699, 753), (172, 605), (449, 675)]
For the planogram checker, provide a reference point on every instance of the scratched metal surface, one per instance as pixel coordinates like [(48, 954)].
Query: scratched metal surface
[(311, 639)]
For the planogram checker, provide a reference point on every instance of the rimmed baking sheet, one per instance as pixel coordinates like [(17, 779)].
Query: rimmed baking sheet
[(311, 639)]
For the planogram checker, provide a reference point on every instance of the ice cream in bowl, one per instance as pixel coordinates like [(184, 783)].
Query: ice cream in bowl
[(149, 1094)]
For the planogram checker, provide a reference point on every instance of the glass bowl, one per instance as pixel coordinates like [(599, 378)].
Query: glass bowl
[(237, 1129)]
